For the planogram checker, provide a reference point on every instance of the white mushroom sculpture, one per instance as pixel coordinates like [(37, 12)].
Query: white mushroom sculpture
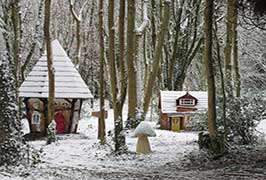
[(143, 131)]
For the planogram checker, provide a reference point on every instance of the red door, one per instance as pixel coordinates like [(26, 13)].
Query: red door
[(60, 122)]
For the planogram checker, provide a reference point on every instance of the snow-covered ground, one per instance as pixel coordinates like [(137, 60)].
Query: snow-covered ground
[(82, 151), (79, 156)]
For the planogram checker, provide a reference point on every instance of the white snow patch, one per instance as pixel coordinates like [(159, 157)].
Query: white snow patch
[(25, 126), (144, 128), (262, 126)]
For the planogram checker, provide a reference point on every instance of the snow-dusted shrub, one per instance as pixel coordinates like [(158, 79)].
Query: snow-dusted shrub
[(11, 146), (243, 115), (198, 122)]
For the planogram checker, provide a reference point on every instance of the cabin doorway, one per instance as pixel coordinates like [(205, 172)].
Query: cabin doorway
[(60, 122), (175, 123)]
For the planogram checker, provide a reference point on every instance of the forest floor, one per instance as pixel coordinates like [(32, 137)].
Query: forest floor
[(175, 156)]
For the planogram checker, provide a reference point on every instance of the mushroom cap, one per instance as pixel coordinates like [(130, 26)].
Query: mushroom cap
[(144, 128)]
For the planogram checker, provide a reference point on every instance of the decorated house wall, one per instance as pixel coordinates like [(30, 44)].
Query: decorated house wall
[(36, 114)]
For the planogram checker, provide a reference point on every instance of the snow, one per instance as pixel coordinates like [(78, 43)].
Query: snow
[(82, 150), (144, 128), (262, 126), (74, 156), (68, 82), (80, 156), (168, 100), (25, 126)]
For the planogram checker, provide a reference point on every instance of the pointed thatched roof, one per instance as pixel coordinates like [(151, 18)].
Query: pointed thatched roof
[(68, 82)]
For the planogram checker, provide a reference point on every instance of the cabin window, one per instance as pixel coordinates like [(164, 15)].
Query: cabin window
[(188, 102), (36, 118)]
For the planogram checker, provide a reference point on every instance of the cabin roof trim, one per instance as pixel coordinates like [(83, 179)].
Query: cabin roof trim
[(168, 100)]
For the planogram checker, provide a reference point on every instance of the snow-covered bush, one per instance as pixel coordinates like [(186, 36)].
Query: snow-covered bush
[(11, 146), (242, 116), (198, 122)]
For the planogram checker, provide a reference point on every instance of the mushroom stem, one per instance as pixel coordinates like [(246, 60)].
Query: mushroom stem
[(143, 145)]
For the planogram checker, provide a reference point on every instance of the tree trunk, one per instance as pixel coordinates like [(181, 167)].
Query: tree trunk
[(228, 48), (120, 144), (15, 10), (77, 59), (111, 50), (235, 52), (157, 56), (117, 101), (78, 19), (49, 61), (131, 46), (16, 24), (212, 141), (219, 60), (209, 68), (101, 121)]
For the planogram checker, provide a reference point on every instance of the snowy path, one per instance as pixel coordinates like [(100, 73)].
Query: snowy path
[(83, 150), (79, 156), (79, 152)]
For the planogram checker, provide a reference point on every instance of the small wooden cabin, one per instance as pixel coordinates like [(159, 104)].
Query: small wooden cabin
[(177, 106), (70, 91)]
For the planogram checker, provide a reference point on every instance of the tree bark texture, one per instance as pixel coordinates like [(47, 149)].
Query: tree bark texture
[(131, 64), (208, 13), (120, 144), (15, 10), (101, 121), (78, 20), (219, 60), (49, 61), (228, 48), (235, 52), (117, 98)]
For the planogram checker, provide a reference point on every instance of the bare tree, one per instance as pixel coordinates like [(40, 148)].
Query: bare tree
[(118, 90), (157, 56), (49, 61), (209, 68), (131, 61), (78, 20), (235, 51), (228, 48), (101, 124)]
